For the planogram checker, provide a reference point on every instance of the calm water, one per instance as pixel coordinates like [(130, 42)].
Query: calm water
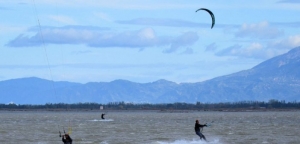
[(150, 127)]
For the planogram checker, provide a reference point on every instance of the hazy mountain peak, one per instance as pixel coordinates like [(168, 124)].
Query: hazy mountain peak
[(290, 58), (163, 81), (277, 78)]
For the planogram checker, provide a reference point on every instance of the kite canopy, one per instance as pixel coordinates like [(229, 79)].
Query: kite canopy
[(211, 14)]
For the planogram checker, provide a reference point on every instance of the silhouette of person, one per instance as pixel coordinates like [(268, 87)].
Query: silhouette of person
[(197, 130)]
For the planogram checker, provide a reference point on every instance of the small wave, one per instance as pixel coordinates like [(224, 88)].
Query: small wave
[(102, 120)]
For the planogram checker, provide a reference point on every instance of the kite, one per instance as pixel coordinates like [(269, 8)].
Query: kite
[(211, 14)]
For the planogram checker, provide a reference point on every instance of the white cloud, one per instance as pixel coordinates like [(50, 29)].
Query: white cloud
[(288, 43), (287, 24), (147, 33), (262, 51), (103, 38), (260, 30), (254, 50), (130, 39)]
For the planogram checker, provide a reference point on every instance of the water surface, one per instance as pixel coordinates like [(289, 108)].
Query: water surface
[(149, 127)]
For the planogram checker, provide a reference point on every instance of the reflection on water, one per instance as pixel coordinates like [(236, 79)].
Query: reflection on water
[(150, 127)]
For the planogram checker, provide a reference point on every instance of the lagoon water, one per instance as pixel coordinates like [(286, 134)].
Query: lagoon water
[(149, 127)]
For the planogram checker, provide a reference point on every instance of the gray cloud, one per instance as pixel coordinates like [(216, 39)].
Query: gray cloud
[(186, 39), (162, 22), (287, 24), (229, 51), (56, 35), (188, 51), (211, 47), (171, 23), (26, 66), (26, 41), (102, 38)]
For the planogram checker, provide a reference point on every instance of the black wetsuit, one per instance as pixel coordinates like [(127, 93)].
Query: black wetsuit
[(67, 140), (198, 132), (102, 116)]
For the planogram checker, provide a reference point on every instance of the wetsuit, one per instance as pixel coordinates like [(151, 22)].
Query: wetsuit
[(102, 116), (67, 140), (197, 130)]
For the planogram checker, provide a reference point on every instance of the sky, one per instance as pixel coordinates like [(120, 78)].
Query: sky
[(142, 40)]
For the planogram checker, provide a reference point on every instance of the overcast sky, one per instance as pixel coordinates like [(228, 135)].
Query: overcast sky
[(142, 40)]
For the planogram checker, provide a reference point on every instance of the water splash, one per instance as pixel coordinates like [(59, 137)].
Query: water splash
[(101, 120), (194, 141)]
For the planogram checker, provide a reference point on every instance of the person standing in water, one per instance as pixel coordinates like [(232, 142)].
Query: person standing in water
[(67, 139), (197, 130), (102, 116)]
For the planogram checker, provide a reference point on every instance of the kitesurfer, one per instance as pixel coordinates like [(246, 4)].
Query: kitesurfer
[(102, 116), (197, 130), (67, 139)]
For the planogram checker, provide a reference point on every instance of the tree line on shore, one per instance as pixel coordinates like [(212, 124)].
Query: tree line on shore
[(271, 104)]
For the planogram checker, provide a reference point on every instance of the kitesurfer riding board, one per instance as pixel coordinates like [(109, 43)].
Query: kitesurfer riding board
[(66, 139), (198, 126)]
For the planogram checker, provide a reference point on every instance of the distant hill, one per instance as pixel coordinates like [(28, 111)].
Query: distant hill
[(277, 78)]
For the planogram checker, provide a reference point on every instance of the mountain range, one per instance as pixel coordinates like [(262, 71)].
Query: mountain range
[(277, 78)]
